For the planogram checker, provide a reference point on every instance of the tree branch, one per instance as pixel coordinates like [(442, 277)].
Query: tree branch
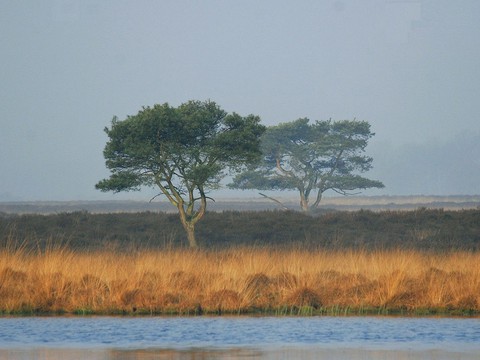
[(343, 192), (275, 200), (153, 198), (282, 170)]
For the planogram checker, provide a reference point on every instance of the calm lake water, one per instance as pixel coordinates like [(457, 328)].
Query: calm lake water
[(239, 338)]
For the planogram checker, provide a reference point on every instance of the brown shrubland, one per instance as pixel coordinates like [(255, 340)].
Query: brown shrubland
[(238, 280)]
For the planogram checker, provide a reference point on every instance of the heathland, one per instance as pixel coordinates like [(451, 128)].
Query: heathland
[(423, 261)]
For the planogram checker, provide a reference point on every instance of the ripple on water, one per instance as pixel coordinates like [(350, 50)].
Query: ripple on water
[(237, 337)]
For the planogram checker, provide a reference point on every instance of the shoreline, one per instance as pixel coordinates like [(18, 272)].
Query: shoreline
[(280, 313)]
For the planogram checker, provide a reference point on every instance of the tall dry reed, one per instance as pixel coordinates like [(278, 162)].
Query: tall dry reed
[(236, 280)]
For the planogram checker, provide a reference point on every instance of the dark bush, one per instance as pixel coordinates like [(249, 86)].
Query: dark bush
[(421, 229)]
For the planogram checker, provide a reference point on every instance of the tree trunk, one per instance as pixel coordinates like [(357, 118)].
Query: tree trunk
[(189, 219), (304, 202), (319, 198), (190, 229)]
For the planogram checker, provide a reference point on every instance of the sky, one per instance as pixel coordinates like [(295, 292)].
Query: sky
[(408, 67)]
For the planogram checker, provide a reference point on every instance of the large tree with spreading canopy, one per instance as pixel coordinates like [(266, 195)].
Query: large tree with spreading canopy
[(184, 151), (312, 158)]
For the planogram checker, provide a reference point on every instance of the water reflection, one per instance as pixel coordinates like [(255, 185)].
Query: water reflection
[(190, 354), (235, 353)]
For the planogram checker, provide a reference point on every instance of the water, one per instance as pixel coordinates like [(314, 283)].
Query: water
[(239, 337)]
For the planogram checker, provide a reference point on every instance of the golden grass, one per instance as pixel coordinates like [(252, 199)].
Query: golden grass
[(236, 281)]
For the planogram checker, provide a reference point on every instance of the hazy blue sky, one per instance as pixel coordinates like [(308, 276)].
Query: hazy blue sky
[(410, 68)]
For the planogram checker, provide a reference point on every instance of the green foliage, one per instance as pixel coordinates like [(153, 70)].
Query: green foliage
[(307, 157), (184, 151), (190, 146)]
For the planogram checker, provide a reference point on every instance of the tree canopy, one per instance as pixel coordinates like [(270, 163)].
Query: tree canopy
[(312, 158), (184, 151)]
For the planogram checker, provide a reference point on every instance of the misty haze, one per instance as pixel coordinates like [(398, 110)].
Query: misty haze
[(409, 68)]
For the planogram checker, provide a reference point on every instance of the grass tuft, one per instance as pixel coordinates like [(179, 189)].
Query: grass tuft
[(239, 280)]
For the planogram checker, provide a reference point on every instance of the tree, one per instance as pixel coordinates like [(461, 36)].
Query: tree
[(312, 158), (184, 151)]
